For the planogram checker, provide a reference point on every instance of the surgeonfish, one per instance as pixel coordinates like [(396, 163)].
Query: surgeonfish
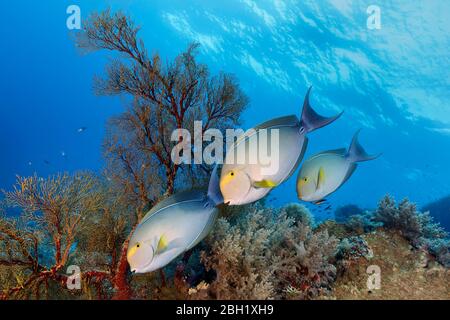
[(245, 183), (172, 227), (325, 172)]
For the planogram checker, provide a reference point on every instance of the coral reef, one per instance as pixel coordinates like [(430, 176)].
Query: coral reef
[(413, 225), (40, 243), (417, 227), (406, 272), (440, 248), (254, 252), (270, 253)]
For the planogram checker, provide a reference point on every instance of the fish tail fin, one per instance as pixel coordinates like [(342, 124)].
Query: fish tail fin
[(214, 188), (310, 119), (356, 152)]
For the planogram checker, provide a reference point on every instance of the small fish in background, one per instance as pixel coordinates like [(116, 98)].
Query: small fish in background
[(325, 172), (173, 226), (82, 129), (64, 154), (30, 163), (245, 183), (48, 163)]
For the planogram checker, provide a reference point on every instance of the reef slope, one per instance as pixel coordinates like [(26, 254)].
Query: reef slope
[(406, 272)]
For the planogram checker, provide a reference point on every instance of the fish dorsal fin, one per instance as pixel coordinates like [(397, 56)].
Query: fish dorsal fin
[(242, 138), (340, 151), (286, 121), (320, 178), (162, 244), (192, 195)]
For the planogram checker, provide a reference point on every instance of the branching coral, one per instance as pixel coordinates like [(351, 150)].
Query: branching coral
[(350, 250), (419, 228), (414, 225), (239, 256), (54, 213), (267, 254), (166, 97), (308, 271)]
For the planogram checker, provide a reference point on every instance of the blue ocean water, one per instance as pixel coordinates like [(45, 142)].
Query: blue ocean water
[(392, 82)]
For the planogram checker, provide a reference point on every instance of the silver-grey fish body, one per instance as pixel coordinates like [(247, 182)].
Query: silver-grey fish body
[(336, 169), (291, 147), (182, 220)]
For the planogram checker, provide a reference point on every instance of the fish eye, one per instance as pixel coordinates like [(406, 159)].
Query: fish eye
[(138, 245), (232, 173), (305, 179)]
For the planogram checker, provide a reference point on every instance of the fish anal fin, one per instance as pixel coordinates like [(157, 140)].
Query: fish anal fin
[(319, 202)]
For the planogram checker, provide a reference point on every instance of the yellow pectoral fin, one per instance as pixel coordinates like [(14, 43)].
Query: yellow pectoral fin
[(162, 244), (264, 184), (320, 178)]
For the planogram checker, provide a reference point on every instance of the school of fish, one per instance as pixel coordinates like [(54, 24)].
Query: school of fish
[(180, 222)]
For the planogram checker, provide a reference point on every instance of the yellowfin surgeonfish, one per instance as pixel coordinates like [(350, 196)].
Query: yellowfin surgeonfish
[(245, 183), (172, 227), (325, 172)]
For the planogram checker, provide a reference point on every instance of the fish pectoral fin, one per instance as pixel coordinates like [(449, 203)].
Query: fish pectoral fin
[(162, 244), (163, 259), (320, 178), (264, 184)]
